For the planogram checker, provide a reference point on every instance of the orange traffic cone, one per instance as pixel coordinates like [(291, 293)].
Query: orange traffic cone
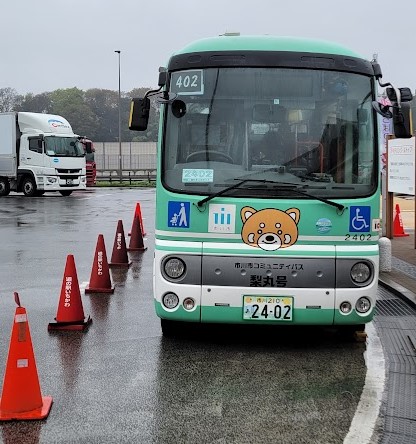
[(70, 314), (136, 240), (138, 213), (21, 397), (398, 230), (100, 280), (119, 257)]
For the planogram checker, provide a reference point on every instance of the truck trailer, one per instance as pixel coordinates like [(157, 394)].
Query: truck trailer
[(39, 153)]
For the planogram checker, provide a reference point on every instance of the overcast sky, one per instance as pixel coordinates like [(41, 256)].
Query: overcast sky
[(47, 44)]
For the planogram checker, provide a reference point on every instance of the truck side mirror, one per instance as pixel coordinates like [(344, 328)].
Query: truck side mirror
[(88, 147), (139, 114)]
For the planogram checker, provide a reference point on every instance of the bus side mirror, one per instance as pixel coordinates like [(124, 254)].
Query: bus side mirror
[(402, 121), (139, 114), (402, 116), (163, 77)]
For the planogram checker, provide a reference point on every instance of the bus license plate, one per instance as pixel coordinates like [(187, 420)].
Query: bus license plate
[(263, 308)]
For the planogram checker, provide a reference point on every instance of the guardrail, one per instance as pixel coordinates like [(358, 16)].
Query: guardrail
[(126, 175)]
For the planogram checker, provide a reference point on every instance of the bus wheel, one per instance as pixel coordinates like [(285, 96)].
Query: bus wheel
[(66, 192), (4, 186), (170, 328), (352, 332), (29, 186)]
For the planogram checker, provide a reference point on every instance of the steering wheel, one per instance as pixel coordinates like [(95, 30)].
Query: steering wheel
[(209, 155)]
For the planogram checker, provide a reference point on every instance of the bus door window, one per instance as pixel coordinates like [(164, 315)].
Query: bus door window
[(268, 135)]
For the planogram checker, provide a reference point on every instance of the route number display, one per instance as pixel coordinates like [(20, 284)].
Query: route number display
[(187, 82)]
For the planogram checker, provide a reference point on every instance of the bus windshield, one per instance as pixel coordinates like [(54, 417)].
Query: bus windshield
[(63, 147), (310, 128)]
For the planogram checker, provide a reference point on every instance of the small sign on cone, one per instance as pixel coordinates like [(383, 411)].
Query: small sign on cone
[(70, 314), (21, 398), (136, 239), (119, 257), (100, 280), (398, 224)]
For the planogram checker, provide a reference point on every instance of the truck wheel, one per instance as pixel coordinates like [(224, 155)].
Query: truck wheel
[(4, 187), (66, 193), (29, 186)]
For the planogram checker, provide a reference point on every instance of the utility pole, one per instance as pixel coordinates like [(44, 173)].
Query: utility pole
[(119, 119)]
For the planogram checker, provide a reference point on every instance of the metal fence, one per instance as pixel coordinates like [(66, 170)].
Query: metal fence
[(138, 160)]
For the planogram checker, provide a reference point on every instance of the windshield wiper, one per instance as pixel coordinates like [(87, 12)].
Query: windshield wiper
[(281, 185), (224, 190), (338, 206)]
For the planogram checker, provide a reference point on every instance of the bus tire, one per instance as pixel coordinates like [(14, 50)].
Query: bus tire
[(29, 186), (350, 331), (4, 186), (66, 192), (170, 328)]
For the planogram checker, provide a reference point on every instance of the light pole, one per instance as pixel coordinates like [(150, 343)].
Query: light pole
[(119, 118)]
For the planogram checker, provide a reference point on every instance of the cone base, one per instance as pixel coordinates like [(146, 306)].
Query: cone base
[(137, 249), (40, 413), (76, 325), (120, 264), (100, 290), (400, 235)]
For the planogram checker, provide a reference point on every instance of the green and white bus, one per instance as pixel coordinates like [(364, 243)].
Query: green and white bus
[(268, 194)]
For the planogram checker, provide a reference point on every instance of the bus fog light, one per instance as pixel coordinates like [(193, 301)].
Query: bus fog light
[(174, 268), (360, 272), (189, 304), (363, 305), (345, 307), (170, 300)]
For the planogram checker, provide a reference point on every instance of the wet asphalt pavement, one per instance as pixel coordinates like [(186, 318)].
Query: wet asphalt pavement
[(121, 382)]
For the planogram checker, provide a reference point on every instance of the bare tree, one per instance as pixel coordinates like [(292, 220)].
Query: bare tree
[(9, 99)]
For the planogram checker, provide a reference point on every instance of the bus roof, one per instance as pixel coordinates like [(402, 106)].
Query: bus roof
[(266, 43)]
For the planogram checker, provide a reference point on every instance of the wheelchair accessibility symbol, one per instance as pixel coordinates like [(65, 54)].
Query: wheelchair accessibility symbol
[(360, 218)]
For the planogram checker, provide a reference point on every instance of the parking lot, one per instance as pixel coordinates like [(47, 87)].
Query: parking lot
[(121, 381)]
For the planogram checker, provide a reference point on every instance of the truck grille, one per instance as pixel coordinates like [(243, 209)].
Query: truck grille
[(65, 171)]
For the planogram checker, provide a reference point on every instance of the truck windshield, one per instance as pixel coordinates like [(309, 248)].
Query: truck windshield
[(63, 146), (312, 128)]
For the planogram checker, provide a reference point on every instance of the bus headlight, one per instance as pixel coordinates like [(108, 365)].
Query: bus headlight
[(170, 300), (345, 307), (360, 272), (174, 268), (363, 305), (188, 304)]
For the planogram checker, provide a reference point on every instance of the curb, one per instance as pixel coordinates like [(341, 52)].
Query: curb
[(400, 291)]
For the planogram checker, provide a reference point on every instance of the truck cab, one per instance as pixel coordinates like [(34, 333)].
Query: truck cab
[(40, 153)]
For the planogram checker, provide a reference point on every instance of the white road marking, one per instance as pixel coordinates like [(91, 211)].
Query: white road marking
[(364, 421)]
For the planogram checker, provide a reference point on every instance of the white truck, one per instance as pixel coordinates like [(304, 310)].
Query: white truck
[(39, 153)]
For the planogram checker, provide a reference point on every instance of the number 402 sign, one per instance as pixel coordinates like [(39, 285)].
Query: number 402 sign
[(187, 82)]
